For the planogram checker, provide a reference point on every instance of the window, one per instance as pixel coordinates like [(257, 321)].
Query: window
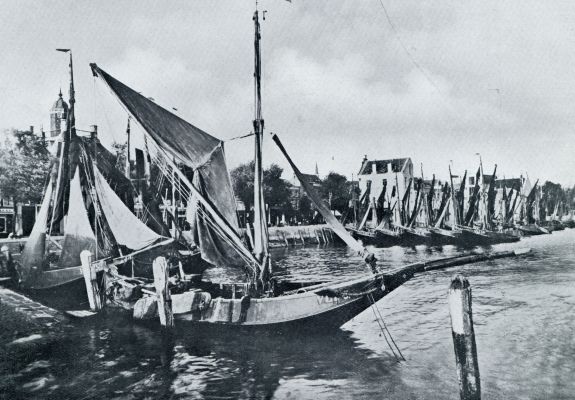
[(472, 180), (2, 225)]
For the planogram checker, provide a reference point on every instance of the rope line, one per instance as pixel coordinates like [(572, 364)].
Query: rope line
[(383, 327)]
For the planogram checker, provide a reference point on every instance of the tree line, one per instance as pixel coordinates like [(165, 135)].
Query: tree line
[(25, 163)]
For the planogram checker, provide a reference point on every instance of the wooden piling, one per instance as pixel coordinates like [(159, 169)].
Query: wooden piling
[(301, 237), (459, 298), (161, 271), (90, 279), (285, 239), (317, 236), (323, 235)]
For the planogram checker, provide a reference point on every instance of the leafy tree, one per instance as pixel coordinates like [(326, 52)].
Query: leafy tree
[(24, 167), (276, 189), (552, 195), (336, 191), (243, 183), (305, 208)]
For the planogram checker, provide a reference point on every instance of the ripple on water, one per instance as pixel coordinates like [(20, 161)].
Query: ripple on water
[(523, 310)]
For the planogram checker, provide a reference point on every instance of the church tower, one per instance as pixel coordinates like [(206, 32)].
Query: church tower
[(58, 116)]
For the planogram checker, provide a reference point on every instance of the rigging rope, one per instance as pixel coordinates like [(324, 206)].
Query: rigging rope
[(383, 328)]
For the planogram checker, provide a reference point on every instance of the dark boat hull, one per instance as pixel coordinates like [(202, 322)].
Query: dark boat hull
[(502, 237), (470, 238), (441, 237), (376, 238), (532, 230), (413, 238)]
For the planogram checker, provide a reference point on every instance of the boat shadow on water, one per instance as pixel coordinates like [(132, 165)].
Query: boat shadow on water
[(108, 358)]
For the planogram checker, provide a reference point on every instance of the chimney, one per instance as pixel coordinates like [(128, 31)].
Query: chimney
[(31, 129), (94, 132), (374, 167)]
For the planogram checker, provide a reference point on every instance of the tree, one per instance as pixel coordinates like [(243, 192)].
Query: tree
[(305, 208), (24, 167), (276, 190), (336, 191), (243, 183)]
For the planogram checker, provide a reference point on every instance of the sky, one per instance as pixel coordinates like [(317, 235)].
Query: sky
[(437, 81)]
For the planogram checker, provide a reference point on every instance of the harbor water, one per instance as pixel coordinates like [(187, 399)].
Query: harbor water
[(524, 315)]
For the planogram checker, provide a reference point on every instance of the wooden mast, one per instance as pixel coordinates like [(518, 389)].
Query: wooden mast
[(260, 224)]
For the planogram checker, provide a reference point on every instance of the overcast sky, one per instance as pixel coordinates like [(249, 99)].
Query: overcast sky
[(443, 81)]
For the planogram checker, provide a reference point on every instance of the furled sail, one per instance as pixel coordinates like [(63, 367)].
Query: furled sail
[(190, 146), (323, 209), (79, 235), (35, 248), (127, 229), (472, 209)]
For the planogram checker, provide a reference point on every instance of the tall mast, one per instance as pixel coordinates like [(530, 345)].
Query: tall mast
[(455, 206), (260, 223), (71, 117), (127, 171)]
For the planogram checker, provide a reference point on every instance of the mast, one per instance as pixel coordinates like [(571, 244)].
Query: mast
[(71, 116), (260, 223), (455, 210), (128, 150)]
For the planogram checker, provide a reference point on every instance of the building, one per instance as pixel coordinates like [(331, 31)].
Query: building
[(296, 191), (391, 172), (6, 217), (58, 116)]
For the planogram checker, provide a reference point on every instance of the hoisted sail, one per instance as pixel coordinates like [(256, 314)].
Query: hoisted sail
[(127, 229), (79, 235), (35, 248), (195, 149)]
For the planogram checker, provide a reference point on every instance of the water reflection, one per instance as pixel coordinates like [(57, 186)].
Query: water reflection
[(522, 311)]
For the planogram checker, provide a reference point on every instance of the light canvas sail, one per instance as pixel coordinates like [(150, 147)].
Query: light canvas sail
[(78, 232), (127, 229), (35, 248)]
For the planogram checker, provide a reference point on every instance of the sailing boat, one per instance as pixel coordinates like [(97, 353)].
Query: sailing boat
[(95, 217), (257, 298), (529, 225)]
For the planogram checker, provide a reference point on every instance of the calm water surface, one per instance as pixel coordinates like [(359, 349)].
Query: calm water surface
[(524, 313)]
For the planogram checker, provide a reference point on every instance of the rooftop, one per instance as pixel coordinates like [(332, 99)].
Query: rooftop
[(397, 165)]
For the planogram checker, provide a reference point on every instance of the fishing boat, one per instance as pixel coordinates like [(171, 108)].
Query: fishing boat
[(80, 201), (251, 296), (529, 225)]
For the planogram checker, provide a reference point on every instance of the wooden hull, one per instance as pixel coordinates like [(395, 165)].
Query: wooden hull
[(442, 237), (415, 238), (322, 307), (295, 314), (376, 238), (501, 237), (532, 230), (470, 238)]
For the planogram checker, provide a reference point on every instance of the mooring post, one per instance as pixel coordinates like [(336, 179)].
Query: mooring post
[(285, 239), (89, 272), (324, 236), (459, 299), (301, 236), (161, 275), (317, 236)]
